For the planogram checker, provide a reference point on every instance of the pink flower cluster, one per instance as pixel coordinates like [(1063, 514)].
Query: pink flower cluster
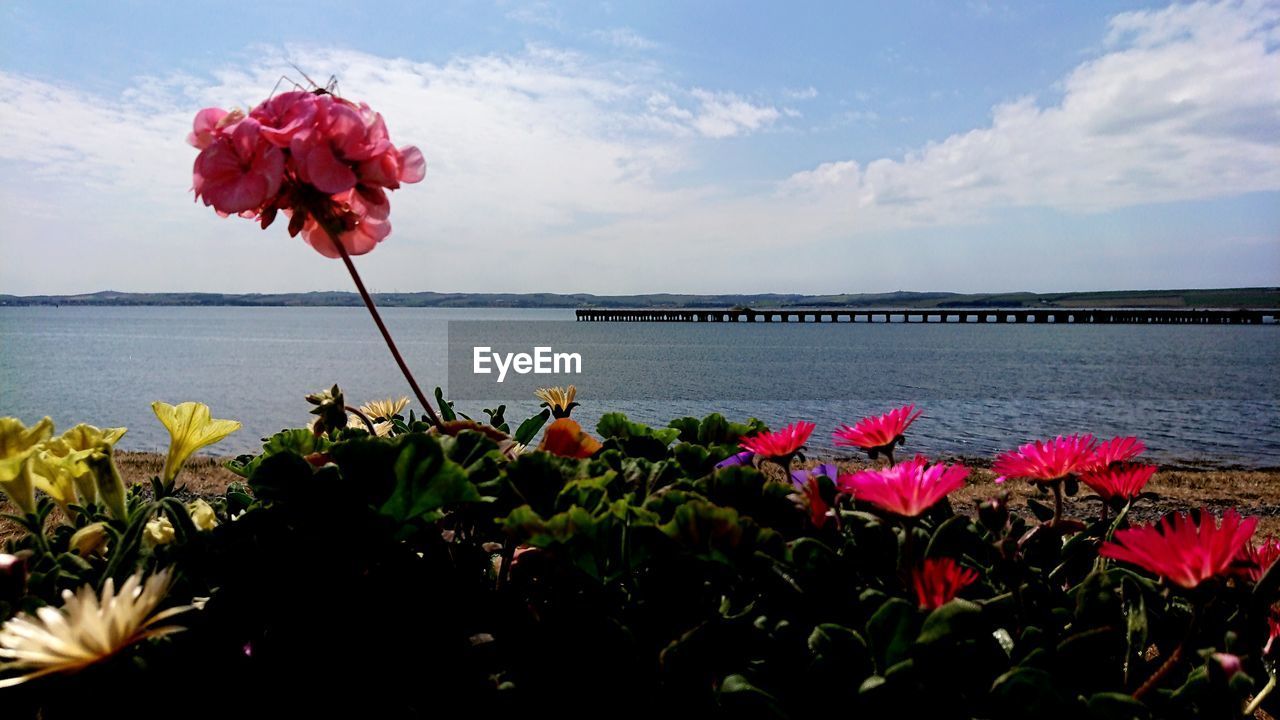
[(326, 162)]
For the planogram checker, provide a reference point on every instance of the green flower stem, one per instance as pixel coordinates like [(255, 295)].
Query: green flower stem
[(1169, 663), (377, 319), (508, 554), (908, 545), (35, 526), (1057, 502), (1256, 702)]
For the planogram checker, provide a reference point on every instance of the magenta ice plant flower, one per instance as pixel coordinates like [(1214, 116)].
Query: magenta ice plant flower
[(907, 489)]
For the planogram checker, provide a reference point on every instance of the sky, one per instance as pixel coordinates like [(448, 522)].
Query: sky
[(667, 146)]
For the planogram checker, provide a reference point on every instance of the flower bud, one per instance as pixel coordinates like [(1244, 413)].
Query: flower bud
[(994, 512), (110, 486), (202, 515), (159, 531), (90, 540), (13, 578), (1225, 663)]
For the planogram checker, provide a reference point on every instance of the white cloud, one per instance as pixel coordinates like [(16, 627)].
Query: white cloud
[(552, 170), (724, 114), (540, 14), (1184, 105), (625, 38), (804, 93)]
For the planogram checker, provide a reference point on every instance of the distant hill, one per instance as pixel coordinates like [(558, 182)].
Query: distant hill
[(1262, 297)]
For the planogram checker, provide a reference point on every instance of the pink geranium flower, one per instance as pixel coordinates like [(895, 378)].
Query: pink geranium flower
[(363, 225), (1181, 550), (779, 445), (1121, 481), (908, 488), (1116, 450), (1048, 460), (324, 154), (877, 433), (238, 170), (325, 161), (285, 115), (938, 580)]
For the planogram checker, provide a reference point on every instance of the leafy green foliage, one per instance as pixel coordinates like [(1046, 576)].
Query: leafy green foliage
[(436, 570)]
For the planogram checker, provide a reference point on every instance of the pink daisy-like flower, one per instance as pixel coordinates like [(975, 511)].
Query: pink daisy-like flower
[(938, 580), (1119, 482), (779, 445), (1116, 450), (908, 488), (1182, 551), (876, 433), (1047, 460), (809, 490), (1256, 560)]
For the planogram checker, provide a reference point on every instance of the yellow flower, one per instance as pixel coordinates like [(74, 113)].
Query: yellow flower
[(190, 428), (384, 409), (53, 474), (202, 515), (17, 444), (87, 629), (159, 530), (560, 400), (90, 540), (61, 467), (88, 437)]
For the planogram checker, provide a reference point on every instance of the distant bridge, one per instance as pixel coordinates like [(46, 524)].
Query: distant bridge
[(1087, 316)]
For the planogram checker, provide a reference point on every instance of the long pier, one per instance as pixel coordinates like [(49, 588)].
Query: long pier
[(1088, 316)]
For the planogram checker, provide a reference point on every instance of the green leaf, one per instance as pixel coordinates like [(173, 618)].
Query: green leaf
[(1042, 512), (497, 419), (839, 651), (688, 427), (718, 533), (1031, 691), (740, 699), (445, 407), (536, 479), (890, 632), (634, 439), (1116, 706), (953, 621), (299, 441), (529, 429), (952, 538), (280, 476), (426, 482)]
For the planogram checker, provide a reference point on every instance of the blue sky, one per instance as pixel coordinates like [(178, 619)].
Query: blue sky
[(670, 146)]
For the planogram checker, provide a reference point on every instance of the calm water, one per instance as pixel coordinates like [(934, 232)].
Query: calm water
[(1193, 393)]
